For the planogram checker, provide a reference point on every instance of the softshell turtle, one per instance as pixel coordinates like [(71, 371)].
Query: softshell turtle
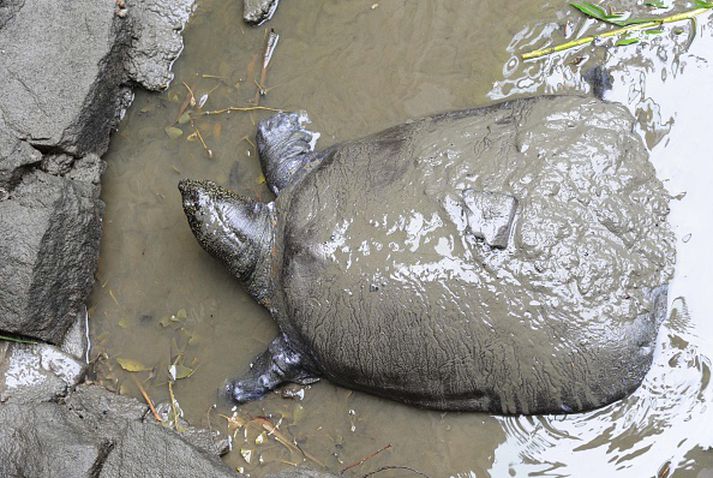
[(509, 259)]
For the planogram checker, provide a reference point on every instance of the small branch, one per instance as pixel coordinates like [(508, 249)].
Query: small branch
[(679, 17), (365, 459), (238, 109), (198, 134), (148, 400), (387, 468), (176, 422), (272, 39)]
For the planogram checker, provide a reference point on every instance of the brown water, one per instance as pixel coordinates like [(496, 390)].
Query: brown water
[(358, 67)]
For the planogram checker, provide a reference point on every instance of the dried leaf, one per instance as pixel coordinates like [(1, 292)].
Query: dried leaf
[(235, 422), (247, 454), (184, 118), (131, 365), (173, 132), (179, 371)]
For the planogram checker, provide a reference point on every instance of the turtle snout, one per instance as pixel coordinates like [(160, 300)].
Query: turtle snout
[(196, 195), (189, 192)]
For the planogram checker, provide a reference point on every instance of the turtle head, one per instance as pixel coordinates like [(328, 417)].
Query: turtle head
[(236, 230)]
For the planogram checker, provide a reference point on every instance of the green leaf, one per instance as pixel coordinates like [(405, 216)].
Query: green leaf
[(597, 12), (654, 31), (655, 4), (131, 365), (703, 4), (627, 41)]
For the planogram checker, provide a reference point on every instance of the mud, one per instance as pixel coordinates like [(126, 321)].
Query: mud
[(358, 70)]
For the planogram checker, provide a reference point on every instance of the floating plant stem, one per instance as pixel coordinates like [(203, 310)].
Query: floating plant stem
[(630, 26), (238, 109)]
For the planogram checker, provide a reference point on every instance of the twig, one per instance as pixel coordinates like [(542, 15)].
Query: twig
[(198, 134), (177, 424), (272, 39), (238, 109), (387, 468), (148, 400), (365, 459), (190, 92), (679, 17)]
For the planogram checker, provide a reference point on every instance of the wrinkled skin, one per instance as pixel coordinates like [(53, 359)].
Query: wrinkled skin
[(509, 259)]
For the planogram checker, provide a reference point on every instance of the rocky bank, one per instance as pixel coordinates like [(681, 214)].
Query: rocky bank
[(68, 72)]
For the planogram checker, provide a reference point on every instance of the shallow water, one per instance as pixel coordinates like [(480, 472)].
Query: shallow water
[(356, 69)]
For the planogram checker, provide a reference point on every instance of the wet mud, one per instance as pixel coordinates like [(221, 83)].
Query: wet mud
[(359, 67)]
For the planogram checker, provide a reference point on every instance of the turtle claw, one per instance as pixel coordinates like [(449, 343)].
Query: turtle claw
[(277, 365)]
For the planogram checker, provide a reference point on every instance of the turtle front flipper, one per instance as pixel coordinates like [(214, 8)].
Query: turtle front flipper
[(279, 364), (285, 147)]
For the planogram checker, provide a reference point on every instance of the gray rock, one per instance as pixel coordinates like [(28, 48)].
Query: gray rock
[(259, 11), (149, 450), (50, 229), (61, 69), (96, 433), (105, 412), (35, 373), (8, 9), (66, 73), (42, 440), (76, 341), (15, 156), (157, 40)]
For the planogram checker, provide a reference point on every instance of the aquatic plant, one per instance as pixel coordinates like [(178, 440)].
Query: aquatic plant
[(627, 24)]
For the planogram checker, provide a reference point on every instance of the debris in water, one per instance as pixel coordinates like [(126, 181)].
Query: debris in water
[(173, 132), (175, 407), (239, 109), (148, 400), (293, 391), (365, 459), (627, 26), (131, 365), (178, 371), (247, 455)]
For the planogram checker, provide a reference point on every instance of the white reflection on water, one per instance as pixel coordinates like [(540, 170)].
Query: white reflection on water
[(666, 86)]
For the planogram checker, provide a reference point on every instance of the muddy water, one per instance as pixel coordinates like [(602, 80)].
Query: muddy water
[(358, 67)]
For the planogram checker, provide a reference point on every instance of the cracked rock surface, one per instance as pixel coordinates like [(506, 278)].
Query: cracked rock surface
[(67, 72), (95, 433), (256, 12)]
